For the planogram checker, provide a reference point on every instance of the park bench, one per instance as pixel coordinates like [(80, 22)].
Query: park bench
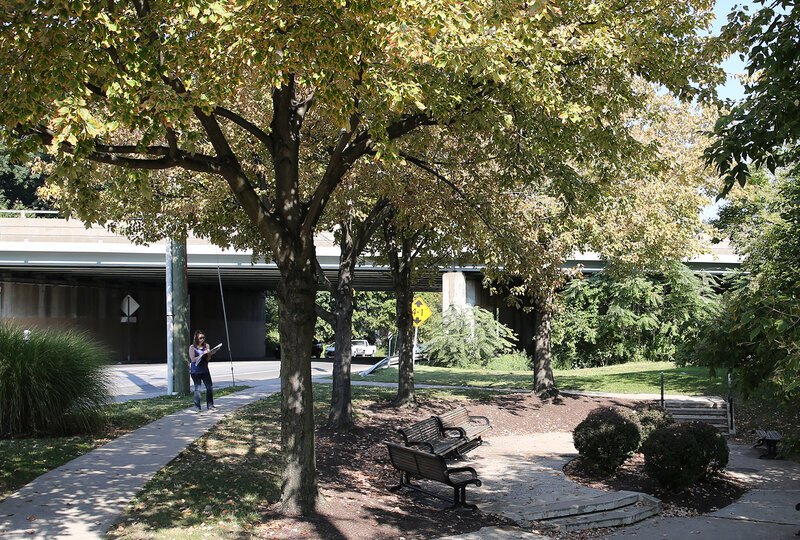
[(470, 428), (769, 439), (427, 435), (414, 463)]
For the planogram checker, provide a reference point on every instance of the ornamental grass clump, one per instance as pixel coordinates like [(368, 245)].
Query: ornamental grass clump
[(607, 437), (52, 382), (679, 455)]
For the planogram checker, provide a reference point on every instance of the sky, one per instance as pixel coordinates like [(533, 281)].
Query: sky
[(732, 89)]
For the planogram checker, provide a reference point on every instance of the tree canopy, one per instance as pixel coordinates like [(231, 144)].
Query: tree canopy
[(763, 129), (258, 110), (758, 332)]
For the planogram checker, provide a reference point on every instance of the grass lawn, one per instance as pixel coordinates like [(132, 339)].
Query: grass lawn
[(632, 378), (22, 460)]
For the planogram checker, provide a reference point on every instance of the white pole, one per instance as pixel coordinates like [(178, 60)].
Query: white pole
[(414, 347)]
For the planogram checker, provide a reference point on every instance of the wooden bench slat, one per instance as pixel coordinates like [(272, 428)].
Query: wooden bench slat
[(427, 434), (470, 428), (770, 439), (412, 462)]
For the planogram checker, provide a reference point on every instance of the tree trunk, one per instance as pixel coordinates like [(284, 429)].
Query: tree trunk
[(340, 416), (401, 279), (296, 297), (544, 383), (405, 337)]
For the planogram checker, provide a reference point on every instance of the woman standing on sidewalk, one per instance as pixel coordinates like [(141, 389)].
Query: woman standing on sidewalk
[(199, 355)]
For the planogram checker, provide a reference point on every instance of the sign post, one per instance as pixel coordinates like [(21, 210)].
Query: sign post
[(129, 307), (420, 312)]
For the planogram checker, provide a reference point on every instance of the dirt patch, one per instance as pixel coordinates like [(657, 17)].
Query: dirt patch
[(354, 473)]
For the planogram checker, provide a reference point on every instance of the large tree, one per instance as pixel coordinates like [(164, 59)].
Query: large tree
[(227, 90), (640, 212), (757, 335), (763, 129)]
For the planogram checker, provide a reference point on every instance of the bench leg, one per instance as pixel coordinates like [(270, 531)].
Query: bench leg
[(460, 499), (772, 450), (405, 481)]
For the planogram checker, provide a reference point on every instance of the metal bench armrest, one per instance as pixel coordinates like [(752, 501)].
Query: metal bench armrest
[(421, 443), (459, 432)]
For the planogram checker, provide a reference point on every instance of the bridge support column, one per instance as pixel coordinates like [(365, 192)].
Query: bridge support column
[(454, 290), (177, 317)]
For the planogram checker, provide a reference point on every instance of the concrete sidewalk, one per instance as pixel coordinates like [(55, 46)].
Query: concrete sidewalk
[(83, 498)]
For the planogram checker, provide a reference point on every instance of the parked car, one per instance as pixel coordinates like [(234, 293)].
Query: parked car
[(358, 347), (361, 347)]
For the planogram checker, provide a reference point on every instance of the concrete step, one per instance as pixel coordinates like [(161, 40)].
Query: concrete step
[(707, 403), (644, 507), (711, 410), (606, 501), (700, 417)]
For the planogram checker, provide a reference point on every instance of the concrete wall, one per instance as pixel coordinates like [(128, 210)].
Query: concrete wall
[(460, 289), (96, 309), (521, 321)]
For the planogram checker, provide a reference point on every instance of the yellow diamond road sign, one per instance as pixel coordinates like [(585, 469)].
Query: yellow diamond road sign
[(419, 311)]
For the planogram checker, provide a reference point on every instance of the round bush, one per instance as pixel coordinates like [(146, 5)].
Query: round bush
[(679, 455), (713, 447), (607, 437), (54, 382), (652, 417)]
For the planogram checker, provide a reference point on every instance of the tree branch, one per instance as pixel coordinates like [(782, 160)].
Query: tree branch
[(248, 126), (326, 315), (323, 279), (241, 186), (379, 212), (430, 170)]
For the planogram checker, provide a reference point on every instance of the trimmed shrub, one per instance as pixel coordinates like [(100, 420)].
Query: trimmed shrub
[(679, 455), (53, 383), (607, 437), (713, 446), (651, 418)]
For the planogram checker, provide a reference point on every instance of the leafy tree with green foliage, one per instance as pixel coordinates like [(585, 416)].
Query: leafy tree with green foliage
[(373, 316), (231, 93), (18, 184), (612, 319), (467, 337), (639, 214), (763, 129), (757, 335)]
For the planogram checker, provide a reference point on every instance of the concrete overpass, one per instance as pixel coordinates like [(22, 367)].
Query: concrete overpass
[(56, 272)]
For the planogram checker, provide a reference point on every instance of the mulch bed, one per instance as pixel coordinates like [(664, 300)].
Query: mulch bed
[(706, 496), (354, 473)]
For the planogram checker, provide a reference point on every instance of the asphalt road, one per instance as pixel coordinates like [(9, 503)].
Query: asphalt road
[(137, 381)]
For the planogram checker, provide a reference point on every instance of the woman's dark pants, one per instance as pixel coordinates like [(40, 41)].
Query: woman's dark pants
[(204, 378)]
